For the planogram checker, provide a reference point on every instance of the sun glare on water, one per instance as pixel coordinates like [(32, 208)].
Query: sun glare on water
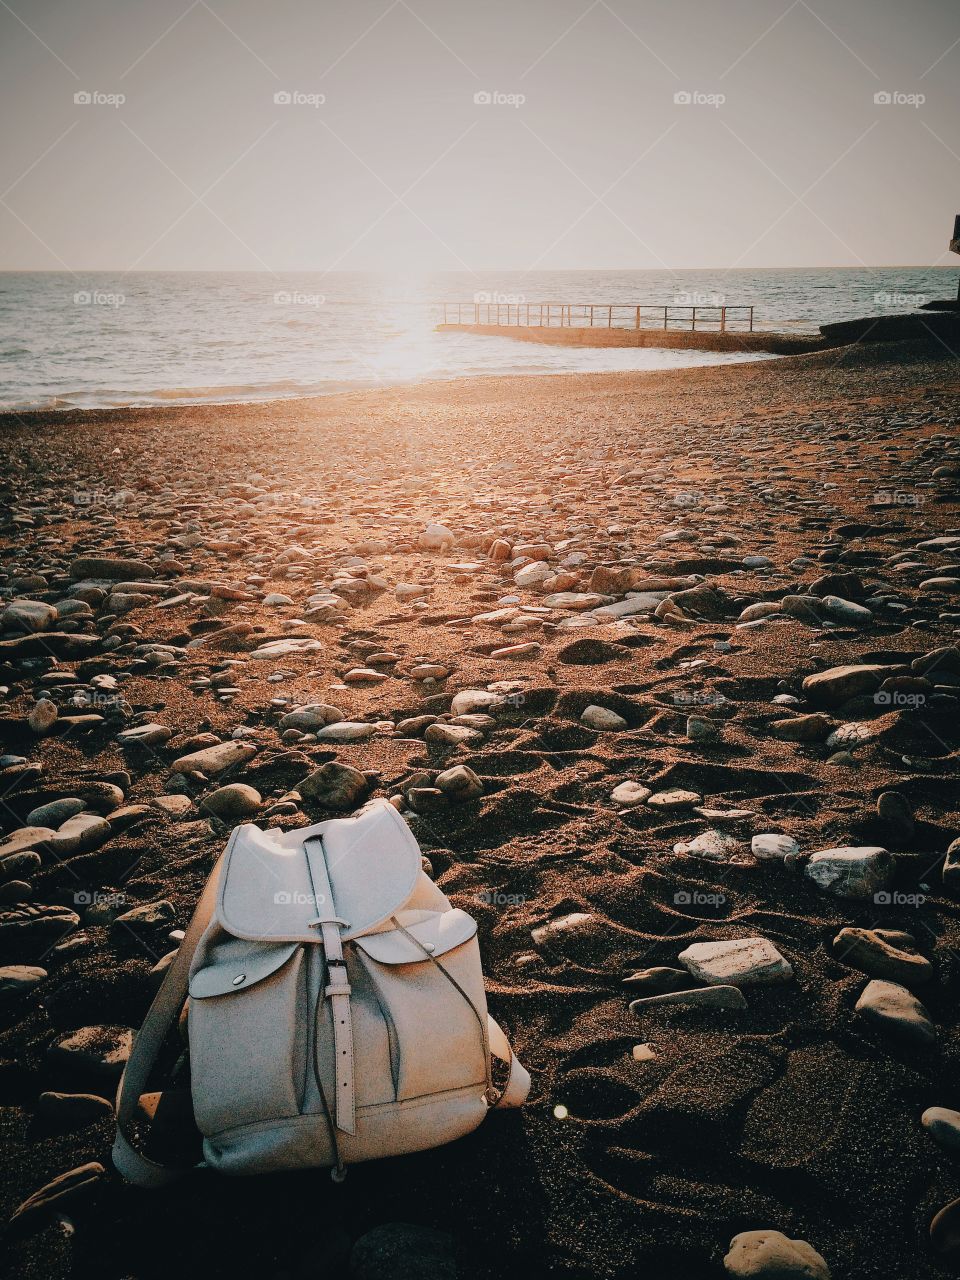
[(403, 344)]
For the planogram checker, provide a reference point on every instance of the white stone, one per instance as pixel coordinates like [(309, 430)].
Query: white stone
[(630, 793), (346, 731), (468, 700), (291, 648), (311, 716), (757, 1254), (531, 575), (773, 847), (436, 537), (712, 845), (739, 962), (595, 717)]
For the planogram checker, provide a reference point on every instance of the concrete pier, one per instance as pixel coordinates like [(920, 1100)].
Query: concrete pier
[(780, 344)]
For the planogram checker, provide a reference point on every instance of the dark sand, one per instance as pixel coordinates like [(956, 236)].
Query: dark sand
[(793, 1114)]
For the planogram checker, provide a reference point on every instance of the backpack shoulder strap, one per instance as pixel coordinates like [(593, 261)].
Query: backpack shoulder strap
[(164, 1010), (518, 1082)]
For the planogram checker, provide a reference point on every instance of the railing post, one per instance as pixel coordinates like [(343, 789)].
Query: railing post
[(693, 318), (591, 315), (664, 317), (751, 319), (610, 317), (723, 319), (638, 317)]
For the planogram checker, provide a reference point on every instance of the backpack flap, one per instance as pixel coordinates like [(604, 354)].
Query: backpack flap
[(374, 864), (428, 938), (266, 892), (237, 965)]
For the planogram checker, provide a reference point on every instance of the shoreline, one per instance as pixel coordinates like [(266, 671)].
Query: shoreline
[(889, 354), (385, 387)]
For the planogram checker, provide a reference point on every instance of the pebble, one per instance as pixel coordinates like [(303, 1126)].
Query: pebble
[(714, 997), (943, 1125), (895, 813), (945, 1234), (846, 611), (773, 847), (460, 783), (738, 962), (42, 716), (469, 700), (62, 1193), (802, 728), (17, 980), (716, 846), (575, 922), (452, 735), (839, 684), (701, 730), (896, 1011), (145, 735), (95, 1054), (29, 837), (29, 929), (215, 759), (28, 615), (883, 953), (111, 567), (659, 979), (951, 866), (346, 731), (295, 646), (676, 798), (436, 537), (335, 785), (629, 794), (174, 806), (312, 716), (851, 872), (770, 1255), (57, 1113), (79, 834), (232, 802), (55, 813), (595, 717)]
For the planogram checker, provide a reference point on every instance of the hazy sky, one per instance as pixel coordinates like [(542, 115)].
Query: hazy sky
[(583, 157)]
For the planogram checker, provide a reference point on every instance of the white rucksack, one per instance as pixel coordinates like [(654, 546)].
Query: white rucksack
[(336, 1007)]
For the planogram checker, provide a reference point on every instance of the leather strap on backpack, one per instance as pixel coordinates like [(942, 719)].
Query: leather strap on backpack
[(337, 988), (147, 1044), (518, 1081)]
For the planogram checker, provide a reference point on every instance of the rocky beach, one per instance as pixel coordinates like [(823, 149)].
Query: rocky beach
[(662, 670)]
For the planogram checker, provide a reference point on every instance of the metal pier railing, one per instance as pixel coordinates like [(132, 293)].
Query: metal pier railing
[(608, 315)]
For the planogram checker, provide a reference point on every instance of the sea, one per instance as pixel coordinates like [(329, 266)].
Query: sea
[(99, 339)]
